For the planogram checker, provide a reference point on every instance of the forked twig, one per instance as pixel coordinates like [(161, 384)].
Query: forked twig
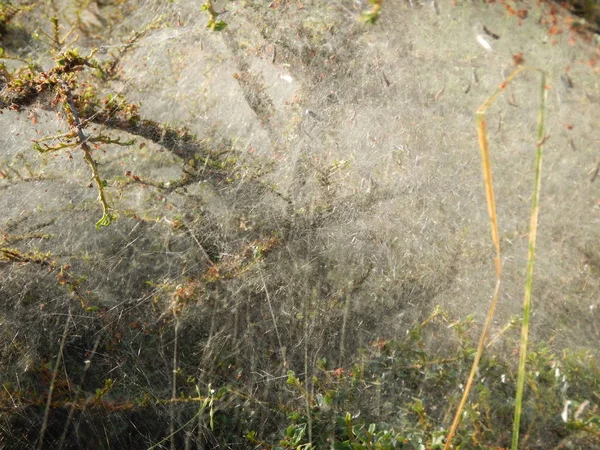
[(82, 140)]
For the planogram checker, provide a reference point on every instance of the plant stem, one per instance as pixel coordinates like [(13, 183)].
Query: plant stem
[(77, 126), (489, 191), (53, 381), (533, 224)]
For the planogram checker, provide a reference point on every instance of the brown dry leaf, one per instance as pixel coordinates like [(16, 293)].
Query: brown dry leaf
[(518, 59)]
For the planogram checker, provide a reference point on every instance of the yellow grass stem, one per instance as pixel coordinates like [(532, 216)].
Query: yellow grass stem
[(491, 203)]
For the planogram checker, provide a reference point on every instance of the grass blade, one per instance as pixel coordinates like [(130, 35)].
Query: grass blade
[(535, 207), (491, 203)]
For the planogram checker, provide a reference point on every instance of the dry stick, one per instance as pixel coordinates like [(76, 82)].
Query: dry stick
[(596, 172), (498, 335), (345, 315), (205, 402), (205, 357), (51, 389), (347, 296), (474, 367), (491, 203), (281, 347), (174, 388), (535, 208), (308, 378)]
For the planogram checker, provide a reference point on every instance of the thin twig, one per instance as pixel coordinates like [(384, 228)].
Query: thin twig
[(596, 172), (174, 383), (52, 382), (88, 364), (281, 347), (107, 217)]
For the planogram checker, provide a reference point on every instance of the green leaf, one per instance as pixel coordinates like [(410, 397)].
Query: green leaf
[(105, 221), (415, 334), (289, 432), (217, 25), (438, 441), (369, 17), (299, 432), (341, 446), (319, 399), (329, 397), (291, 377)]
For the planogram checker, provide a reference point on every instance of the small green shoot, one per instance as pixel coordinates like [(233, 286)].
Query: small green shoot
[(373, 14), (213, 23)]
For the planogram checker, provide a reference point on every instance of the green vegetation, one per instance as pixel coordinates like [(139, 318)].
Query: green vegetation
[(7, 13)]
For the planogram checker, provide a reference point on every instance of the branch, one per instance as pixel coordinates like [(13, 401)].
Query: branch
[(107, 217)]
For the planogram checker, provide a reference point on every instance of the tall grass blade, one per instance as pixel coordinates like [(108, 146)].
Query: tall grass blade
[(491, 204), (535, 207)]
